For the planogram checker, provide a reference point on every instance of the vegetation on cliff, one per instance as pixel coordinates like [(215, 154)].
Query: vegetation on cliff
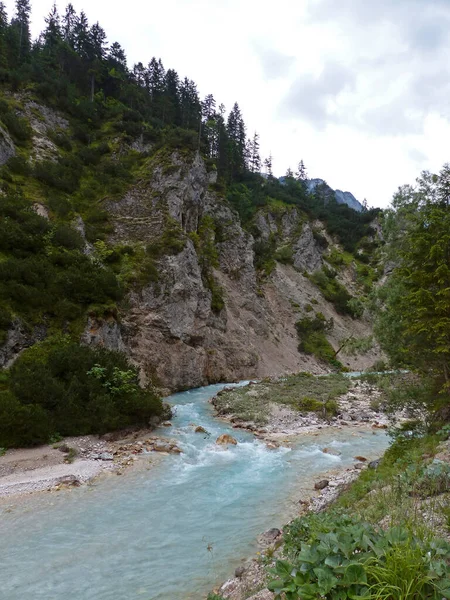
[(78, 130)]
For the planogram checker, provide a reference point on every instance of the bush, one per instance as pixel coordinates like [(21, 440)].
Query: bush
[(336, 293), (313, 340), (342, 558), (284, 255), (74, 390), (18, 127)]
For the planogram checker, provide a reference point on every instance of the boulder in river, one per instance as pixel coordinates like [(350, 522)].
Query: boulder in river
[(331, 452), (374, 464), (272, 445), (321, 485), (200, 429), (360, 458), (225, 439)]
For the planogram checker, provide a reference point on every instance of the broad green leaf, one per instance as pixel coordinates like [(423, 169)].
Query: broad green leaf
[(355, 574)]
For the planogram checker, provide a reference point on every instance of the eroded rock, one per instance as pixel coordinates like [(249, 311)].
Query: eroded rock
[(225, 439)]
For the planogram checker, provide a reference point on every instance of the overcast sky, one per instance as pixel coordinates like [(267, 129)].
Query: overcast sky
[(358, 89)]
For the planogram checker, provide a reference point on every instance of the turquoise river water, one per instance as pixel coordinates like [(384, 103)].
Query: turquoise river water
[(173, 531)]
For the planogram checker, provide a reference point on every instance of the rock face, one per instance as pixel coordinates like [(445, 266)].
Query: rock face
[(341, 197), (7, 148), (172, 328), (18, 338)]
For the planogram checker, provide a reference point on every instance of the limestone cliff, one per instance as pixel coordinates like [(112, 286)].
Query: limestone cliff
[(170, 326)]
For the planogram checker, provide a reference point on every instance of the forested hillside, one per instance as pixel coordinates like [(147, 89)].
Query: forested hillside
[(134, 217)]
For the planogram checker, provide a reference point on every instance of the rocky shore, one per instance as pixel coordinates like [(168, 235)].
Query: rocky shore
[(250, 579), (360, 405), (276, 422), (75, 461)]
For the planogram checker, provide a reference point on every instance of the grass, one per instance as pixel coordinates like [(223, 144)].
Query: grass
[(302, 392)]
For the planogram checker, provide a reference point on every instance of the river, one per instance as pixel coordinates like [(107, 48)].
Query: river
[(170, 532)]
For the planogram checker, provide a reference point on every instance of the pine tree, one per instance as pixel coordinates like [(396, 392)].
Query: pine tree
[(139, 74), (81, 37), (289, 173), (255, 159), (117, 57), (209, 123), (190, 105), (301, 174), (172, 106), (268, 166), (21, 25), (96, 50), (237, 137), (98, 47), (68, 25), (443, 185), (3, 32), (53, 33)]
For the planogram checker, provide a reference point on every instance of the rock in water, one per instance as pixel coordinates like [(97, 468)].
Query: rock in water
[(200, 429), (225, 439), (331, 452), (360, 458), (269, 537), (320, 485)]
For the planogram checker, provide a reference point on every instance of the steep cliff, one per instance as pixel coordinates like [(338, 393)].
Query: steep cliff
[(171, 325), (207, 296)]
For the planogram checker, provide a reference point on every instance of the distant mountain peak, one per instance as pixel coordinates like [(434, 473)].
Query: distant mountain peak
[(341, 197)]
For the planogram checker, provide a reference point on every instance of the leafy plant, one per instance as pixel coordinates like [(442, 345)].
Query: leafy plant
[(353, 560)]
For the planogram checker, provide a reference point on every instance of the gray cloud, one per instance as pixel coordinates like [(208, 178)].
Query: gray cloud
[(396, 51), (274, 64), (310, 95)]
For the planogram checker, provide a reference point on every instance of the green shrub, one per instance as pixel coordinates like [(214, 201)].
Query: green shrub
[(335, 292), (284, 255), (311, 332), (342, 557), (18, 127), (74, 390)]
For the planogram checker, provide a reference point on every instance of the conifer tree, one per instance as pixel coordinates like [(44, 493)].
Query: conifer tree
[(268, 166), (81, 36), (53, 32), (255, 159), (301, 174), (237, 137), (289, 173), (172, 107), (139, 74), (3, 35), (117, 57), (20, 25), (69, 21)]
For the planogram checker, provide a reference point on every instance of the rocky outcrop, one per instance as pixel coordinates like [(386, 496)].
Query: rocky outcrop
[(18, 338), (171, 326), (7, 148), (103, 332), (307, 253)]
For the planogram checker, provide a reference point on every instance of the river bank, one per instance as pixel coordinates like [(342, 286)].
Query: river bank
[(201, 510), (74, 461)]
